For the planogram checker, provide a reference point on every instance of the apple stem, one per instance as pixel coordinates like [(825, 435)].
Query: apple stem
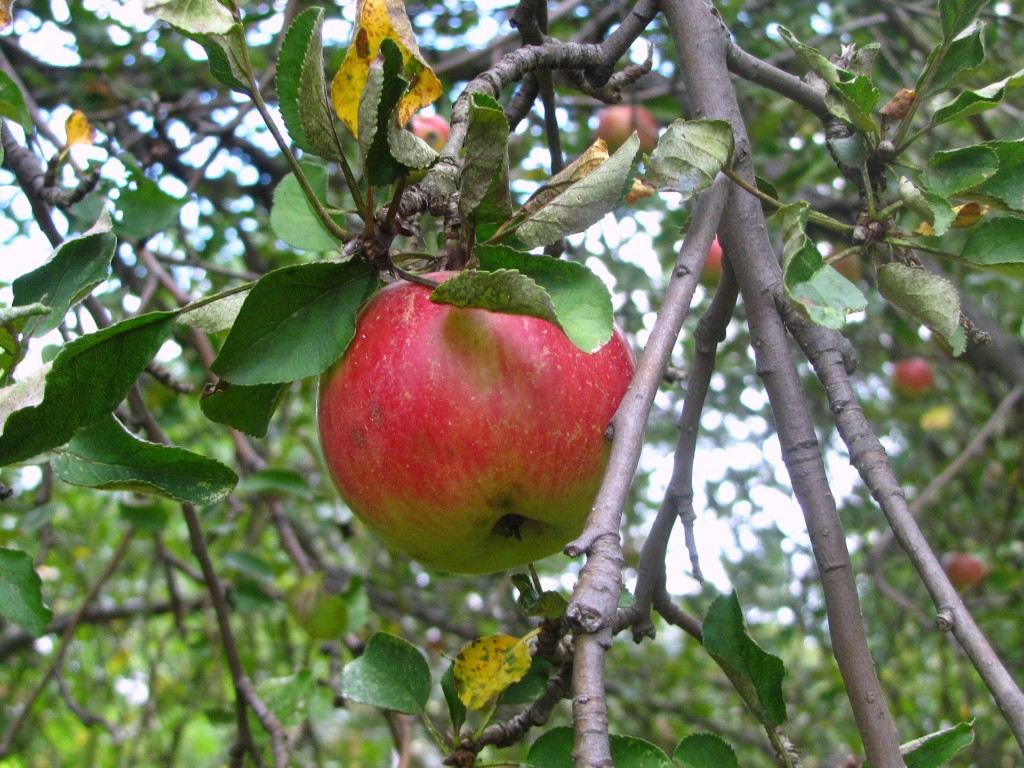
[(535, 576)]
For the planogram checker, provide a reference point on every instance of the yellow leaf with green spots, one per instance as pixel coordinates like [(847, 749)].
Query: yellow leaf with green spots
[(487, 666), (377, 20)]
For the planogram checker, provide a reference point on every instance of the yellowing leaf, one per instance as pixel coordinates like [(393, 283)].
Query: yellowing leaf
[(487, 666), (79, 131), (377, 20), (968, 214), (5, 13), (595, 156)]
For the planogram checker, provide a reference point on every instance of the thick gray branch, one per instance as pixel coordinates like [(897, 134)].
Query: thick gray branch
[(702, 44)]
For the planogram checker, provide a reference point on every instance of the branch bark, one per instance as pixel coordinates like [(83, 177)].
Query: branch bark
[(702, 45)]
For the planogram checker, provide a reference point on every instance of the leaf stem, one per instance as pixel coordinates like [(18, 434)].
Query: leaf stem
[(820, 219)]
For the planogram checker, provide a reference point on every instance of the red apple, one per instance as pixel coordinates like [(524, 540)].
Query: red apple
[(964, 570), (913, 376), (615, 124), (712, 271), (472, 441), (433, 129)]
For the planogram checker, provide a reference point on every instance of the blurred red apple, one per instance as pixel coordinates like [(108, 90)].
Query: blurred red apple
[(964, 570), (913, 376), (470, 440), (851, 267), (433, 129), (615, 124), (712, 271)]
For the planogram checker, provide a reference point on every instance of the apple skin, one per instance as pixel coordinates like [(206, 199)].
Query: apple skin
[(440, 425), (712, 272), (433, 129), (913, 376), (964, 570), (615, 124)]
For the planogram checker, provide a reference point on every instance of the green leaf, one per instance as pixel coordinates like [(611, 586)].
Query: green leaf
[(302, 87), (283, 482), (963, 55), (554, 750), (391, 674), (858, 96), (689, 155), (933, 208), (86, 381), (385, 87), (937, 748), (216, 315), (1004, 188), (292, 217), (212, 25), (485, 167), (549, 604), (12, 104), (12, 325), (505, 290), (151, 516), (456, 709), (580, 298), (756, 674), (930, 299), (77, 266), (969, 103), (958, 170), (106, 456), (21, 600), (957, 15), (144, 207), (814, 59), (295, 322), (197, 17), (583, 202), (817, 290), (705, 750), (997, 245), (248, 409)]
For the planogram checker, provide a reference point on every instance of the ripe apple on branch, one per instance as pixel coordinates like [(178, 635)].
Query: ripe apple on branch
[(470, 440)]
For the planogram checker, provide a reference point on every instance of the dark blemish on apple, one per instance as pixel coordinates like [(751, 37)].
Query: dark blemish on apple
[(510, 525)]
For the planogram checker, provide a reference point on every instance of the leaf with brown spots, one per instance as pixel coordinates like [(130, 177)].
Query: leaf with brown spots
[(487, 666)]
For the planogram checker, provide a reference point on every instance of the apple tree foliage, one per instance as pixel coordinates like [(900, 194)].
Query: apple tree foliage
[(197, 201)]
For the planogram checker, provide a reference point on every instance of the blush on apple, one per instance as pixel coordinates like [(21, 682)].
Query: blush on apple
[(913, 376), (964, 570), (615, 124), (470, 440)]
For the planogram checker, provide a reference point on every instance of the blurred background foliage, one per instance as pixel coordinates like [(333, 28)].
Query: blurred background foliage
[(189, 173)]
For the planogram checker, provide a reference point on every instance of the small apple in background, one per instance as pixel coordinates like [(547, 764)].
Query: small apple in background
[(615, 124), (851, 267), (964, 570), (433, 129), (712, 272), (913, 376), (470, 440)]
